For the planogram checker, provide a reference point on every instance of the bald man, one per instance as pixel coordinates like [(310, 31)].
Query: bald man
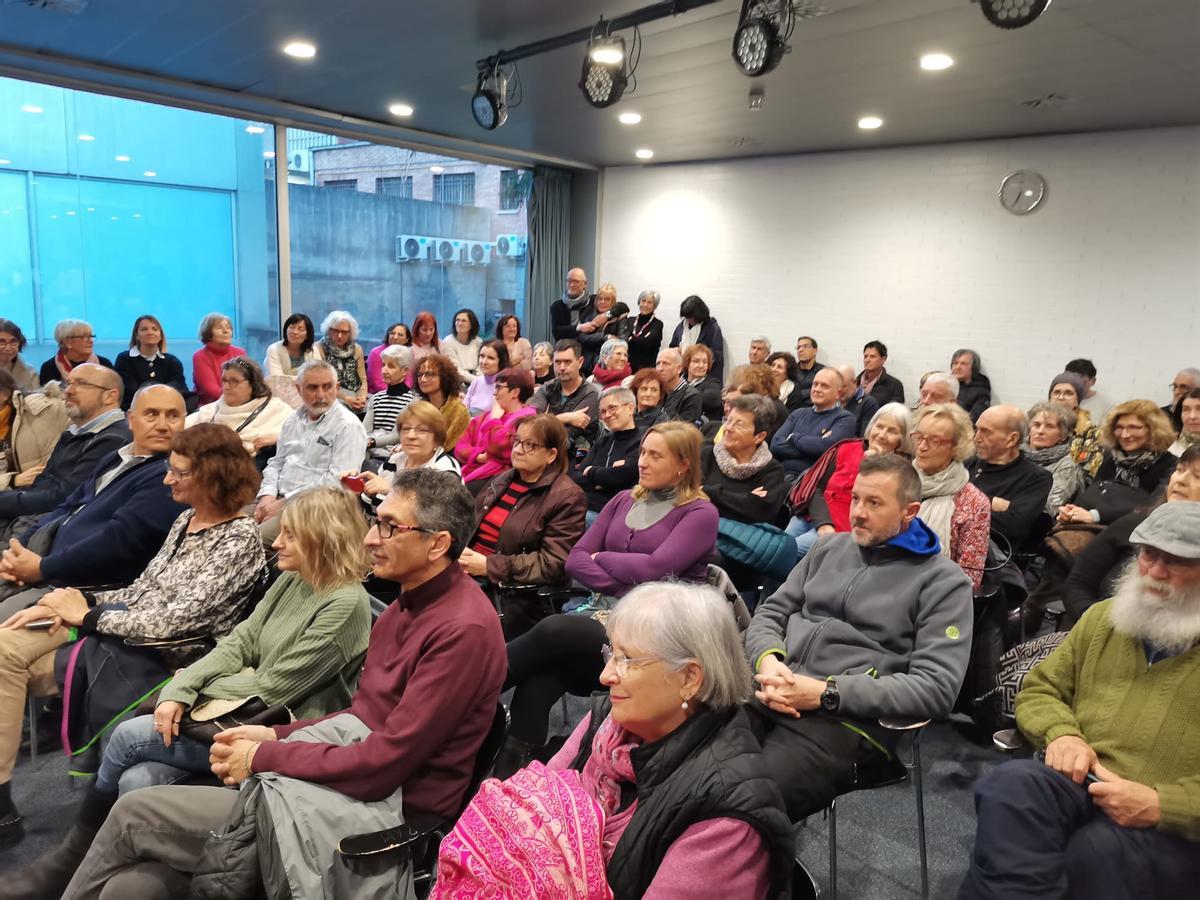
[(855, 400), (93, 406), (572, 314), (111, 526), (1017, 486), (811, 430)]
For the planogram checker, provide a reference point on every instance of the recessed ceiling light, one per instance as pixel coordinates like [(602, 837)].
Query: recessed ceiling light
[(137, 215), (935, 62), (5, 162), (629, 118), (644, 154), (403, 110), (114, 218), (437, 170), (150, 173), (869, 123), (91, 209), (31, 108), (300, 49), (54, 216), (268, 154), (86, 137), (122, 158), (254, 129), (70, 212)]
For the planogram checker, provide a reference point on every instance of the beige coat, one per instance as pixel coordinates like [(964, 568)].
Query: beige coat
[(38, 422)]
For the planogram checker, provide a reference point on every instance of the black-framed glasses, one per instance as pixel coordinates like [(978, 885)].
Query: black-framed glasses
[(387, 529), (79, 382), (526, 446), (81, 337)]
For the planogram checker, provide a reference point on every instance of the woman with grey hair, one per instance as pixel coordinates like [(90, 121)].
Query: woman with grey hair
[(645, 332), (339, 347), (76, 340), (1051, 428), (216, 334), (612, 366), (384, 406), (668, 757), (543, 362)]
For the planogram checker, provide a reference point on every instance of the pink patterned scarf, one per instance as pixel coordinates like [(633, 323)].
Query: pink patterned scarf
[(543, 832)]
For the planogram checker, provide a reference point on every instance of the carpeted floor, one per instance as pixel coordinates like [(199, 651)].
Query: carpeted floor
[(877, 835)]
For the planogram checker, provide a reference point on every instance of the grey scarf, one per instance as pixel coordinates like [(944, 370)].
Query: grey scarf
[(1047, 456), (731, 468), (1129, 465), (651, 509), (937, 499)]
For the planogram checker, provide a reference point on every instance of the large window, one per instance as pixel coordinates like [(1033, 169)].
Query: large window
[(418, 233), (112, 208)]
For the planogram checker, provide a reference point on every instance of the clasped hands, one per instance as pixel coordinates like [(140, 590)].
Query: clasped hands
[(64, 606), (785, 691), (1129, 804), (20, 565), (232, 752)]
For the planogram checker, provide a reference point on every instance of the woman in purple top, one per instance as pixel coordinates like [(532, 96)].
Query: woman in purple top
[(664, 528)]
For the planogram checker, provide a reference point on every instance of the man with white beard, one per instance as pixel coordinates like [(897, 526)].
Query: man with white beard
[(1114, 810)]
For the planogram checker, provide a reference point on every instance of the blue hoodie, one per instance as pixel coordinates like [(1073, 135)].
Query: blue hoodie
[(918, 538)]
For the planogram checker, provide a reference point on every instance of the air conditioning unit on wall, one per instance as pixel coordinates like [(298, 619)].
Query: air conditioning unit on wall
[(510, 246), (476, 253), (412, 248), (446, 250)]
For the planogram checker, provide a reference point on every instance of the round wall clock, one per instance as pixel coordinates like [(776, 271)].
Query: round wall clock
[(1021, 192)]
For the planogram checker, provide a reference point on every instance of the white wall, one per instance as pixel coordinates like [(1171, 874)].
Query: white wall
[(911, 246)]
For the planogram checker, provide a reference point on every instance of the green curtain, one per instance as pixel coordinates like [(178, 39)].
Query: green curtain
[(548, 248)]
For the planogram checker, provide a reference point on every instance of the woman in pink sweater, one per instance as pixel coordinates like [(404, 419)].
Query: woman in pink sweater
[(660, 789), (216, 333)]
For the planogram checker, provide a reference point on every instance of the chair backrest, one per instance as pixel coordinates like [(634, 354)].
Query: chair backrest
[(489, 750), (377, 607)]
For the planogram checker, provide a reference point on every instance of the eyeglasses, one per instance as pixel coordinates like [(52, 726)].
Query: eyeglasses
[(387, 529), (612, 409), (79, 382), (9, 343), (81, 337), (919, 437), (180, 474), (415, 429), (339, 330), (732, 424), (427, 374), (621, 662), (1153, 555), (232, 381), (1180, 387), (526, 446), (1118, 429)]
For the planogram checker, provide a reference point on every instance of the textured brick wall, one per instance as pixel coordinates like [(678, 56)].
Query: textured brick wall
[(911, 246)]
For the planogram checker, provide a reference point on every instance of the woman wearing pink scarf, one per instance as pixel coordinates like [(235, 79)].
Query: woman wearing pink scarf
[(659, 791)]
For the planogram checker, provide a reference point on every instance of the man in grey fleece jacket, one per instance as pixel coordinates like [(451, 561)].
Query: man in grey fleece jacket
[(874, 623)]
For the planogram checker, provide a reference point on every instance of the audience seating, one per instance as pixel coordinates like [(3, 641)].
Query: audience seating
[(421, 835), (894, 772)]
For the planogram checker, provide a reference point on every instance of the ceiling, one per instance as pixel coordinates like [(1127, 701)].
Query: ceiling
[(1117, 64)]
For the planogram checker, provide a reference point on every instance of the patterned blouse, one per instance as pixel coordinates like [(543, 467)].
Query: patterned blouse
[(196, 584)]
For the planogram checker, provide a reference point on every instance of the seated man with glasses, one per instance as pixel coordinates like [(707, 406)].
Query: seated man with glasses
[(113, 524), (93, 407), (317, 444), (425, 701), (1114, 808)]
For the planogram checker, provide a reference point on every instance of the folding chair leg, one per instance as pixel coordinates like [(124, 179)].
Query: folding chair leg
[(33, 747), (833, 849), (920, 792)]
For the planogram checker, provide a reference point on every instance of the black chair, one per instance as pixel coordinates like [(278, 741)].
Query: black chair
[(421, 835), (894, 771)]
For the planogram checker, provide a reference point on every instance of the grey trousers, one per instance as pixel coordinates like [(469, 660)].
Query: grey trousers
[(168, 824)]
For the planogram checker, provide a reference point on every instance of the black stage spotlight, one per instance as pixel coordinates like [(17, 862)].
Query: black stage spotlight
[(1012, 13), (761, 37), (489, 105), (604, 77)]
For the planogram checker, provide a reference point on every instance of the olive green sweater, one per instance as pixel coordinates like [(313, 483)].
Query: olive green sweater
[(306, 648), (1140, 719)]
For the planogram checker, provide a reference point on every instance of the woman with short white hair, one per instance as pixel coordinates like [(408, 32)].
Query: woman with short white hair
[(665, 782), (339, 347), (645, 332), (612, 367), (76, 340)]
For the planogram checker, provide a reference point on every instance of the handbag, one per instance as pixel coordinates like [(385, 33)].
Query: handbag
[(204, 720), (1112, 499), (805, 489)]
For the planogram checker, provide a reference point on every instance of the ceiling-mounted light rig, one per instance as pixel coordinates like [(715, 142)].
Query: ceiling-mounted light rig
[(1012, 13), (489, 105), (761, 39), (605, 74)]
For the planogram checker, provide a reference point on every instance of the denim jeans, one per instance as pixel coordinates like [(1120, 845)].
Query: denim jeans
[(804, 533), (136, 758)]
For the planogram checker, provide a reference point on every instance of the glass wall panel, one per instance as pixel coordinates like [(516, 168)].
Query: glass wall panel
[(417, 232), (111, 208)]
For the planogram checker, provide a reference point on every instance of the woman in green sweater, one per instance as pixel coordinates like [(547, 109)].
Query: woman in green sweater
[(302, 648)]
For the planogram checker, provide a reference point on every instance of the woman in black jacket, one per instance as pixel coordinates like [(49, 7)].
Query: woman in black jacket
[(147, 360), (698, 370), (699, 327), (739, 474), (645, 332)]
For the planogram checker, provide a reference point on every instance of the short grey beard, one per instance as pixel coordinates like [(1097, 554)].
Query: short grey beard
[(1171, 623)]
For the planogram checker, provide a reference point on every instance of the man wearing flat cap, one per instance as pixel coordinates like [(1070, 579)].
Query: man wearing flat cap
[(1114, 809)]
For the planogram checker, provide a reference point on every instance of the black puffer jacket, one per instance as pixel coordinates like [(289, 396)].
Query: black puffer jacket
[(976, 396), (710, 767)]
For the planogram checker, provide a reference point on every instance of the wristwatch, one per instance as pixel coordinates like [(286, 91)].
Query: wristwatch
[(830, 699)]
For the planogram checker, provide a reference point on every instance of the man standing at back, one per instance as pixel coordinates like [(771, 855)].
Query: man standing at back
[(93, 406), (573, 313), (871, 623), (808, 367), (874, 378)]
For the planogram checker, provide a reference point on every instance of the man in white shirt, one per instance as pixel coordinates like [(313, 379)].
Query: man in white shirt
[(317, 443)]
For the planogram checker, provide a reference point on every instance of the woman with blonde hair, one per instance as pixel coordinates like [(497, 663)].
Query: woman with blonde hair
[(216, 334), (297, 656), (954, 509), (1136, 436), (665, 527)]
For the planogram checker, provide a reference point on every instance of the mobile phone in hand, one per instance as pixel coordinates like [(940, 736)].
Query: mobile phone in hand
[(354, 483), (39, 625)]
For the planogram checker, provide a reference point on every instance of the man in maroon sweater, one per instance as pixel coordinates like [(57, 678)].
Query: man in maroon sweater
[(425, 700)]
